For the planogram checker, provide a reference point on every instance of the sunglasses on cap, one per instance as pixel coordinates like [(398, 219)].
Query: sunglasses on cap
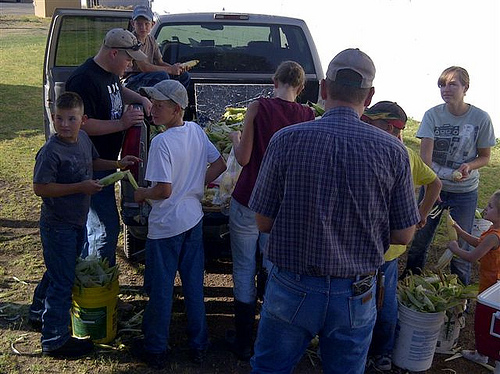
[(135, 47)]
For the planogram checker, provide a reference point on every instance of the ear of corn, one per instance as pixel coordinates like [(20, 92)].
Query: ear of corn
[(317, 108), (444, 260), (452, 233), (456, 175), (134, 184), (112, 178), (478, 214), (132, 180), (190, 64), (447, 255)]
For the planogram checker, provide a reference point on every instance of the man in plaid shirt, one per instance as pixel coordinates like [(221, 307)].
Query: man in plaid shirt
[(333, 194)]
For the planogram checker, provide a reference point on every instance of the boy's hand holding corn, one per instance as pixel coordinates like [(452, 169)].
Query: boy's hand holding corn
[(453, 246), (140, 194), (90, 186)]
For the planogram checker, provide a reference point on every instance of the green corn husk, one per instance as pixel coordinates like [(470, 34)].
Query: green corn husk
[(112, 178), (318, 109), (433, 292), (93, 271)]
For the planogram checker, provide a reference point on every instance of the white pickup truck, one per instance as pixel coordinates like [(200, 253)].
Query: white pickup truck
[(238, 55)]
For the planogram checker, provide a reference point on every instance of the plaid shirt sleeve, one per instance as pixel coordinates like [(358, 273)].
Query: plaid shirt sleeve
[(403, 208)]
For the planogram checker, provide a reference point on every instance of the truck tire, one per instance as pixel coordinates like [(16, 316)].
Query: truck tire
[(133, 248)]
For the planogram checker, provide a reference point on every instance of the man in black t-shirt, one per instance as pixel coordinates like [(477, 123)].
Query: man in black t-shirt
[(97, 81)]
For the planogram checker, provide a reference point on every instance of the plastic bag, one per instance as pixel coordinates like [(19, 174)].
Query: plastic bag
[(228, 180)]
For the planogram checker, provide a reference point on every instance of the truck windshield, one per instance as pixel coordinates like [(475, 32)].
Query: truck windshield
[(234, 47)]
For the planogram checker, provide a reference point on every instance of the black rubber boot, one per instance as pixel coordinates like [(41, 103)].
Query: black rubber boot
[(244, 318)]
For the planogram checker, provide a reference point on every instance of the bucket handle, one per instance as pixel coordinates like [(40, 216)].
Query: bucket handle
[(494, 317)]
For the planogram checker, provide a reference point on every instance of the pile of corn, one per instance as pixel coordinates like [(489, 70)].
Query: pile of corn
[(231, 120), (430, 292), (93, 271), (317, 108)]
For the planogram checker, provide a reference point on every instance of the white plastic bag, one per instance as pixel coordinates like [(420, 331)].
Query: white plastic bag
[(228, 180)]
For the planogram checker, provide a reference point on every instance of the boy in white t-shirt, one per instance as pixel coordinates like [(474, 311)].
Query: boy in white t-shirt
[(177, 170)]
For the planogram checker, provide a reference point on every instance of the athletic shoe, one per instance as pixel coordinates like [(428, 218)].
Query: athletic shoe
[(73, 348), (382, 363), (153, 360), (475, 356)]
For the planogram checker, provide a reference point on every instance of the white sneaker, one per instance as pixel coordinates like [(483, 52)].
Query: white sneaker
[(475, 356)]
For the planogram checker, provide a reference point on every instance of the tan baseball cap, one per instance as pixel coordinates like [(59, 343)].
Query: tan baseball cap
[(354, 60), (124, 40), (167, 89)]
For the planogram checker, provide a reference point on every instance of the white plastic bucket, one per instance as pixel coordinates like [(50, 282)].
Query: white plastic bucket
[(448, 336), (480, 225), (416, 338)]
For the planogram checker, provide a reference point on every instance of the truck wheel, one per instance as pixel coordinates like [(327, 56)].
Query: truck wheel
[(133, 248)]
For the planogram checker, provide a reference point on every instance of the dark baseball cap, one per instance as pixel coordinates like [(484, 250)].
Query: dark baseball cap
[(142, 11), (388, 111)]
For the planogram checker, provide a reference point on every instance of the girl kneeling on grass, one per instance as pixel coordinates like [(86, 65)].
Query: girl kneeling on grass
[(487, 251)]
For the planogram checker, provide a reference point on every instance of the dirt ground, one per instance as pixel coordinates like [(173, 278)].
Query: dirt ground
[(22, 266)]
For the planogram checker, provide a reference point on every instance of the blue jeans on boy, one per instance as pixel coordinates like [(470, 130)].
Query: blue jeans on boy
[(183, 252), (387, 317), (298, 307), (462, 209), (103, 222), (136, 81), (246, 243), (61, 246)]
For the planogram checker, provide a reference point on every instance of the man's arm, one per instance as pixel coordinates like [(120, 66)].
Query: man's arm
[(432, 191), (132, 97), (264, 224), (403, 236), (130, 116)]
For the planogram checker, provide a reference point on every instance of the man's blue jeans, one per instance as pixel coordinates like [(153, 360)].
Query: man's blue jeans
[(136, 81), (61, 247), (103, 222), (298, 307), (462, 209), (246, 243), (164, 257), (387, 317)]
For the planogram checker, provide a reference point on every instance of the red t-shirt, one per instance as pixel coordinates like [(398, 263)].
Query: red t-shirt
[(273, 115)]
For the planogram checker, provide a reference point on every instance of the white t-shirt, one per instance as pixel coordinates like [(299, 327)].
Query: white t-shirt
[(456, 140), (178, 156)]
